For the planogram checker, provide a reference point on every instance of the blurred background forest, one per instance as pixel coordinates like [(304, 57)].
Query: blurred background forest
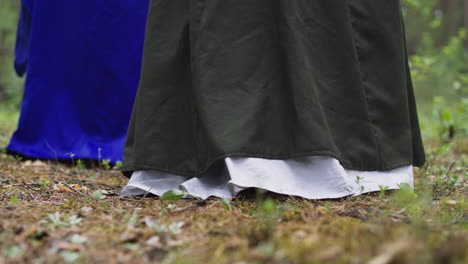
[(437, 42)]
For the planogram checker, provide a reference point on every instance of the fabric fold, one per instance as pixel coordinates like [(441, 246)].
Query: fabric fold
[(273, 79), (317, 177)]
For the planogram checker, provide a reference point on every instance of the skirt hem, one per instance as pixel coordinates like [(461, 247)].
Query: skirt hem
[(127, 170)]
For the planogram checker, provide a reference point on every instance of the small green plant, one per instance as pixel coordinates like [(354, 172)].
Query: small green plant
[(269, 206), (359, 185), (14, 200), (56, 220), (99, 195), (133, 220), (266, 250), (118, 165), (174, 228), (95, 176), (226, 203), (173, 195), (167, 209), (106, 164), (414, 204), (77, 239), (358, 179), (268, 212), (70, 256), (382, 191), (451, 118), (80, 166), (361, 189), (447, 180), (14, 252), (44, 183), (404, 195), (132, 247)]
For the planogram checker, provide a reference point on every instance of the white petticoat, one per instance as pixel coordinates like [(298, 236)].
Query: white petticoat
[(316, 177)]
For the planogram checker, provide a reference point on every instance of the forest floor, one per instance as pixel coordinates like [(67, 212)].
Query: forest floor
[(55, 213)]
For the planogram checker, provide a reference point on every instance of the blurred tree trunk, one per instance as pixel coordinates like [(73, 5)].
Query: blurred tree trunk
[(450, 25), (466, 23)]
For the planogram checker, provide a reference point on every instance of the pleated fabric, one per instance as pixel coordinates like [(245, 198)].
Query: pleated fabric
[(273, 79)]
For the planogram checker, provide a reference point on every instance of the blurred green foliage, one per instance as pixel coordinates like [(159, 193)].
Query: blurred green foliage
[(439, 65), (438, 57), (11, 86)]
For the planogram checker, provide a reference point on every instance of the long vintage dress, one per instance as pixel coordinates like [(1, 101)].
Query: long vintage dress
[(83, 61), (301, 97)]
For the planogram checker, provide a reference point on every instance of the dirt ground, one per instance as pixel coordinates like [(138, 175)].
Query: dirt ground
[(55, 213)]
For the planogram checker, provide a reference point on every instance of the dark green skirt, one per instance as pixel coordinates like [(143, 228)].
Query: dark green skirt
[(274, 79)]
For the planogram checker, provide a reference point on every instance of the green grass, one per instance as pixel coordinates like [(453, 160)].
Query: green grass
[(8, 122), (52, 213), (11, 86)]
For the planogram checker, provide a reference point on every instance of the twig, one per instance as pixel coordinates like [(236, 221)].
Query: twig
[(71, 187), (451, 168), (141, 200), (29, 188)]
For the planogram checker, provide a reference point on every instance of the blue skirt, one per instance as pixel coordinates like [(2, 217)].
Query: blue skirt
[(82, 60)]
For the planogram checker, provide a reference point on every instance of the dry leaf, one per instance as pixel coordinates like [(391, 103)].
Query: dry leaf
[(79, 187), (331, 253), (38, 163), (86, 210), (450, 202), (69, 246), (174, 243), (300, 234), (390, 252), (72, 188), (60, 187), (323, 211), (154, 241), (128, 238)]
